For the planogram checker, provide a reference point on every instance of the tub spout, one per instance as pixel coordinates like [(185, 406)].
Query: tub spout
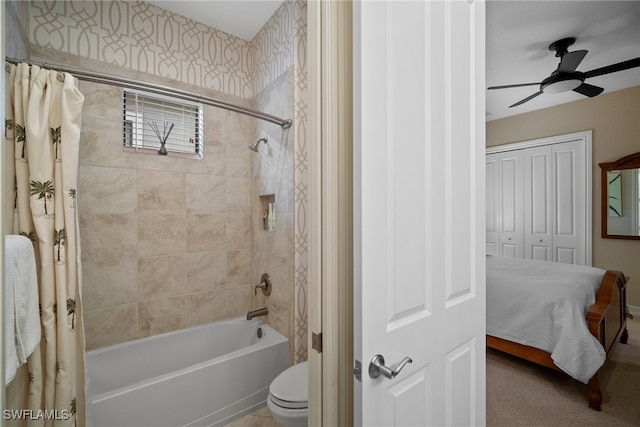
[(259, 312)]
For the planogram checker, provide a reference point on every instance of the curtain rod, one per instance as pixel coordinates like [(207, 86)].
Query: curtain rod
[(157, 89)]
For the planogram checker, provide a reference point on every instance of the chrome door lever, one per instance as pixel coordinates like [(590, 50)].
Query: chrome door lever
[(377, 367)]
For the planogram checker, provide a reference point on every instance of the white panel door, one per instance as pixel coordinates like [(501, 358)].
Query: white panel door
[(538, 203), (511, 205), (419, 211), (492, 174), (569, 216)]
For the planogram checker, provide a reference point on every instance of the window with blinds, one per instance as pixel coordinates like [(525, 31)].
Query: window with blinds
[(150, 119)]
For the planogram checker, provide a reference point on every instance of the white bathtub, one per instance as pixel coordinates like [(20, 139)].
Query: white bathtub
[(201, 376)]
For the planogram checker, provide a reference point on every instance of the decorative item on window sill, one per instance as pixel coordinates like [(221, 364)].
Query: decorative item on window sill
[(162, 137)]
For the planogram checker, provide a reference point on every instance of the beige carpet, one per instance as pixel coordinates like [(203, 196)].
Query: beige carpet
[(520, 393)]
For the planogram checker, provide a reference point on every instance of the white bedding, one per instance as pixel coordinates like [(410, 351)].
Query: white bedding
[(544, 305)]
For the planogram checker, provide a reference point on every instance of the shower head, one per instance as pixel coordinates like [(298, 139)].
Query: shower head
[(254, 146)]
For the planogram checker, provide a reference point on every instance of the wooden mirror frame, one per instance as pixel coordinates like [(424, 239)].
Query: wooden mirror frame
[(632, 161)]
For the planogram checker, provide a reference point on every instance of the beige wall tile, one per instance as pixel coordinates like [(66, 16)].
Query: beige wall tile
[(101, 143), (215, 152), (279, 243), (238, 195), (107, 190), (273, 173), (206, 194), (280, 302), (215, 120), (204, 307), (279, 153), (108, 237), (281, 272), (100, 100), (112, 325), (239, 127), (161, 191), (239, 157), (260, 235), (161, 315), (214, 160), (206, 232), (239, 300), (280, 183), (285, 191), (161, 234), (161, 277), (280, 318), (238, 267), (206, 271), (157, 162), (239, 231), (109, 283)]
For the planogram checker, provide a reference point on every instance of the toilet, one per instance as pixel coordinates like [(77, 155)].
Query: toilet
[(288, 396)]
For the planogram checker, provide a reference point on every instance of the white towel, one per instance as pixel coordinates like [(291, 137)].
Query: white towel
[(11, 362), (22, 328)]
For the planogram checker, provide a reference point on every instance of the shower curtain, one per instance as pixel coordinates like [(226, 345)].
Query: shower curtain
[(42, 133)]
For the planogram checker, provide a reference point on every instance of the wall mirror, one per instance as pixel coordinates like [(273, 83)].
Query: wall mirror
[(621, 198)]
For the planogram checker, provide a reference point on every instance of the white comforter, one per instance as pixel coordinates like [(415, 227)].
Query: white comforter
[(544, 305)]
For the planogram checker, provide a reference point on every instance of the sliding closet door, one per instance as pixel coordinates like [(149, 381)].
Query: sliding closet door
[(571, 207), (511, 205), (538, 204)]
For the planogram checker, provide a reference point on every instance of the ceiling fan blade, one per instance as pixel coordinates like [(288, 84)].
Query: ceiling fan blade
[(588, 90), (517, 85), (571, 60), (529, 98), (620, 66)]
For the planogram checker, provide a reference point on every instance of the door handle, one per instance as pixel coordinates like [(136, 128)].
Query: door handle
[(377, 367)]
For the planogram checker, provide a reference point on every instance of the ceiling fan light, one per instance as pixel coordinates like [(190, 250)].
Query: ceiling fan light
[(562, 86)]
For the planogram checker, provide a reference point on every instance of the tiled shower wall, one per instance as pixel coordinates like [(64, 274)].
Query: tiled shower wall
[(170, 242), (273, 251), (281, 169), (16, 21), (166, 242)]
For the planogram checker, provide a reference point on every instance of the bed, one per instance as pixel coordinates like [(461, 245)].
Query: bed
[(566, 317)]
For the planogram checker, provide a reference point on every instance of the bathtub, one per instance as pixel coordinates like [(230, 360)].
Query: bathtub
[(201, 376)]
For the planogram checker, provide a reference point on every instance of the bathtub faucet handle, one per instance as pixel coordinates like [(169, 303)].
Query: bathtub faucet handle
[(265, 285)]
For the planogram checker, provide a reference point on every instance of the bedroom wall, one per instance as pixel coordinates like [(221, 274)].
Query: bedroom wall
[(614, 121)]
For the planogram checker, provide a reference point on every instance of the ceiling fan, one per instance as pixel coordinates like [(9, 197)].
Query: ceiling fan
[(566, 78)]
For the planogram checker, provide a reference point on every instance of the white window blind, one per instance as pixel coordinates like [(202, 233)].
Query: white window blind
[(148, 118)]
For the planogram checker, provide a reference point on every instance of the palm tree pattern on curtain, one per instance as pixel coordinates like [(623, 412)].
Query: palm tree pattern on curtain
[(42, 132)]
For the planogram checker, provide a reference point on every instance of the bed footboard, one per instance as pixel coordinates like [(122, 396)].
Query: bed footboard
[(607, 316), (607, 322)]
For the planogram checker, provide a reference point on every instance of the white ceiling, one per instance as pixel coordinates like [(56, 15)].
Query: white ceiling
[(242, 18), (519, 33)]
